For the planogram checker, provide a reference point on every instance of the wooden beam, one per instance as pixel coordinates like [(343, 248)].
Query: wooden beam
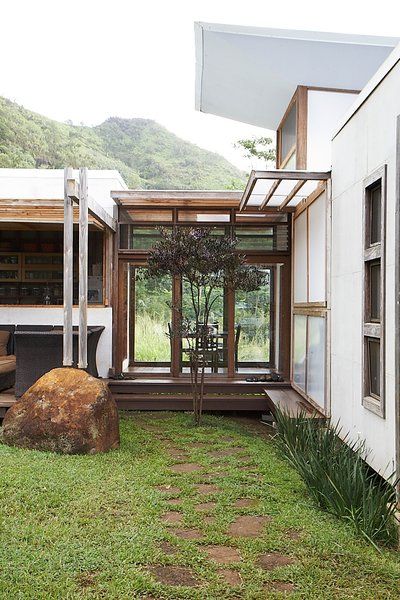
[(292, 194), (269, 195), (68, 272), (248, 189), (83, 266), (94, 208)]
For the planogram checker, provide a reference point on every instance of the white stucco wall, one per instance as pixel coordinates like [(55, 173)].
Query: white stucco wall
[(365, 143), (53, 315), (324, 110)]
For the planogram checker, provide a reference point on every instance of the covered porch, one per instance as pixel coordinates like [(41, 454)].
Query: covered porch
[(253, 331)]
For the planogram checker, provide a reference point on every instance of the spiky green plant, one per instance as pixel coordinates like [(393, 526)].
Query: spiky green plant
[(337, 476)]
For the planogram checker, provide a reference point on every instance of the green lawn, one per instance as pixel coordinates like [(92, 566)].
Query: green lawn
[(93, 526)]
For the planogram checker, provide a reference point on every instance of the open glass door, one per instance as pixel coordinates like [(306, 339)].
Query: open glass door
[(254, 327), (149, 302)]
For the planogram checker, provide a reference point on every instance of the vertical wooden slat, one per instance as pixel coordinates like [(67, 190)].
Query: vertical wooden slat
[(83, 266), (277, 314), (176, 343), (68, 272), (231, 332)]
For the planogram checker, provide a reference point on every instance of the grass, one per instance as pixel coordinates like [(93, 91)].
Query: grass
[(90, 526)]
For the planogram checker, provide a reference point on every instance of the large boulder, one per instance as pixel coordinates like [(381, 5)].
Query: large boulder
[(65, 411)]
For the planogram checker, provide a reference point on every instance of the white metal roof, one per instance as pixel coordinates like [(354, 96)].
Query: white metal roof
[(249, 74)]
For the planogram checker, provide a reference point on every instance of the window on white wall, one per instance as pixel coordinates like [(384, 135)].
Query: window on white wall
[(309, 356), (374, 292)]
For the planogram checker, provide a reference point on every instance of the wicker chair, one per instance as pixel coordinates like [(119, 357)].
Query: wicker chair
[(40, 351)]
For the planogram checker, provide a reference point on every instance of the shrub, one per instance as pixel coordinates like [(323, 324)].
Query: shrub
[(337, 476)]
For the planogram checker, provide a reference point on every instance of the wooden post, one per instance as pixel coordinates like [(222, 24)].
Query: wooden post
[(68, 271), (83, 266)]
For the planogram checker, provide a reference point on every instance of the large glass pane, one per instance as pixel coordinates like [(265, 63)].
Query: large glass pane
[(374, 363), (316, 360), (375, 290), (253, 325), (152, 314), (375, 195), (288, 132), (299, 352), (216, 352)]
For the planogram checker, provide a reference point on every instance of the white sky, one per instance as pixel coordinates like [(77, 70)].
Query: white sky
[(86, 60)]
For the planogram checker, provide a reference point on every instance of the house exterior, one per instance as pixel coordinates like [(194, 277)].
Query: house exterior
[(31, 252), (334, 102)]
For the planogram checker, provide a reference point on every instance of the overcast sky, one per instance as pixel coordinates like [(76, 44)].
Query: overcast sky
[(86, 60)]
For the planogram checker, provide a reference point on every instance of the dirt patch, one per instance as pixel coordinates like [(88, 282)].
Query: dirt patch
[(250, 468), (245, 502), (169, 575), (225, 555), (230, 577), (207, 488), (187, 534), (293, 534), (86, 579), (168, 548), (206, 506), (177, 453), (186, 468), (172, 516), (227, 438), (274, 560), (168, 489), (248, 526)]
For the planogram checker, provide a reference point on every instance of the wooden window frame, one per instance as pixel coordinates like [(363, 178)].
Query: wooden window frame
[(373, 253), (299, 99)]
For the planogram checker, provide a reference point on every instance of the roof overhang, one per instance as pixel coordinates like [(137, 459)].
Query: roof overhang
[(281, 190), (249, 74)]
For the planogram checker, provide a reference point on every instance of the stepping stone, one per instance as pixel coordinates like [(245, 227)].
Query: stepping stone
[(245, 502), (175, 501), (248, 526), (230, 576), (281, 586), (206, 506), (219, 474), (168, 548), (225, 555), (187, 534), (227, 438), (178, 454), (172, 516), (245, 458), (170, 575), (207, 488), (251, 468), (185, 468), (274, 560), (209, 520), (222, 453), (169, 489)]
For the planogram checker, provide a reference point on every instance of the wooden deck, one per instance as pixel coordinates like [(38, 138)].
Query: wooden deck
[(229, 395)]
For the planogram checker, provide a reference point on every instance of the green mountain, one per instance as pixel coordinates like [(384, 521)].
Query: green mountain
[(146, 154)]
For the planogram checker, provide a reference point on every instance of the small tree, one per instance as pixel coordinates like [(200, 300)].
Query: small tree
[(257, 147), (206, 263)]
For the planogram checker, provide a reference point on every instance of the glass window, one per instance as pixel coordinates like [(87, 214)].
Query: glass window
[(316, 359), (375, 201), (255, 238), (288, 133), (299, 354), (374, 363), (375, 290)]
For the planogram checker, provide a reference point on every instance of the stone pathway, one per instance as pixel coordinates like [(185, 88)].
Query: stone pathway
[(207, 478)]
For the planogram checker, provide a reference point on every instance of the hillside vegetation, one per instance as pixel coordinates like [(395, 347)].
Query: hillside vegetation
[(146, 154)]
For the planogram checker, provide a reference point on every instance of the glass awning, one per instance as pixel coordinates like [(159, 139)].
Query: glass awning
[(280, 189)]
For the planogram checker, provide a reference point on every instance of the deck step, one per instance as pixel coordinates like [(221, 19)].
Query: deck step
[(291, 402)]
